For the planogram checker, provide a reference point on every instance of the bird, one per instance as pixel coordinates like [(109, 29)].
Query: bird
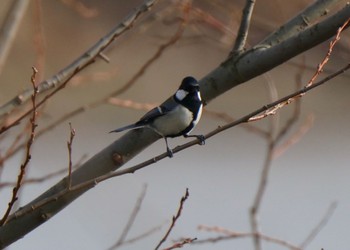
[(177, 116)]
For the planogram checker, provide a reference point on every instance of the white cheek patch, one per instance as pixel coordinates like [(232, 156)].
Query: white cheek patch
[(181, 94)]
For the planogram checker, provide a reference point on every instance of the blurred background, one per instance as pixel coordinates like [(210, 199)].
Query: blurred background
[(309, 172)]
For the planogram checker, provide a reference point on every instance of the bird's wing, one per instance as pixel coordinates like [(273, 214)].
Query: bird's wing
[(161, 110)]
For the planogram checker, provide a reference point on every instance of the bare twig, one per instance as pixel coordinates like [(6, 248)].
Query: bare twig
[(69, 146), (174, 219), (131, 220), (28, 151), (181, 243), (244, 27), (329, 52)]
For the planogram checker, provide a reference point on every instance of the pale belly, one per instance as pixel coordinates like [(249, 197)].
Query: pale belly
[(174, 122)]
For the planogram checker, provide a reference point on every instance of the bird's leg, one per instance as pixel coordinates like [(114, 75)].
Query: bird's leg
[(168, 150), (201, 138)]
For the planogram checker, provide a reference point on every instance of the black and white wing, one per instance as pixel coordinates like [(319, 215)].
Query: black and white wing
[(156, 112)]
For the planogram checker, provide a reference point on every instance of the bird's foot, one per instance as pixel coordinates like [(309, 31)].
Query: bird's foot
[(201, 139), (170, 153)]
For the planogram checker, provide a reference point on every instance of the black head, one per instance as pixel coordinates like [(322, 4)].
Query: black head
[(189, 84)]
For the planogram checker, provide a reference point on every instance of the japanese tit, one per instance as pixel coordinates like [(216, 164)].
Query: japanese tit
[(177, 116)]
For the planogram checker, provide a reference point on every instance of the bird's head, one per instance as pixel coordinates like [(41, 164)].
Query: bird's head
[(189, 85)]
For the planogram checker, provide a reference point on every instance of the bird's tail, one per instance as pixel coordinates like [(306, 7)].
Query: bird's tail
[(128, 127)]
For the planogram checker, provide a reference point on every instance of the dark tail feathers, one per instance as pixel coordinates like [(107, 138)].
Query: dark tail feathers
[(128, 127)]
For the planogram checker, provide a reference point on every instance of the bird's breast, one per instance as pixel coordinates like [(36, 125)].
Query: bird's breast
[(174, 122)]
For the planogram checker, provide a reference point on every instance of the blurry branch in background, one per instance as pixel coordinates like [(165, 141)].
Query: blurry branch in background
[(81, 8), (295, 137), (319, 226), (229, 235), (9, 28), (132, 218), (174, 219), (39, 39), (242, 34), (273, 137), (28, 156), (89, 57), (141, 236)]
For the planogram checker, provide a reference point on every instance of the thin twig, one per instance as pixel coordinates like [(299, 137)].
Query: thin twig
[(28, 151), (181, 243), (69, 146), (329, 52), (174, 219), (131, 220)]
